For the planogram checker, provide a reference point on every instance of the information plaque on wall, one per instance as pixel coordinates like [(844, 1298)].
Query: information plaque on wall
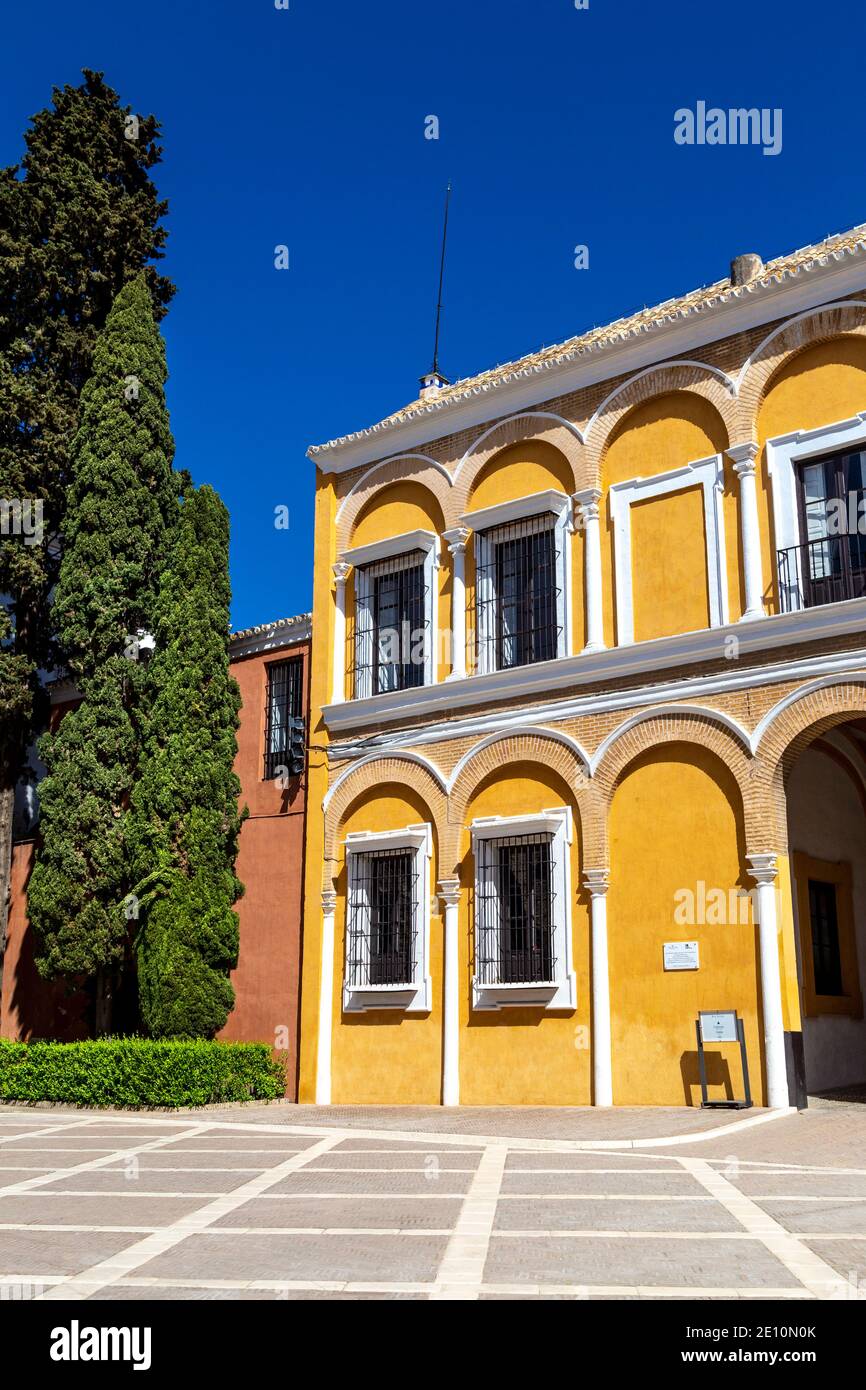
[(681, 955)]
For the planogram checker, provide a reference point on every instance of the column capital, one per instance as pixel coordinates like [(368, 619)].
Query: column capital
[(587, 503), (743, 457), (342, 571), (763, 867), (596, 881), (329, 900), (456, 538), (449, 891)]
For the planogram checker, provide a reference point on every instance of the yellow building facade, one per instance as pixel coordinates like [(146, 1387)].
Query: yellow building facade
[(588, 715)]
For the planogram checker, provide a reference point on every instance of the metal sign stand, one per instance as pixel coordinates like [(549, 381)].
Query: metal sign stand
[(702, 1068)]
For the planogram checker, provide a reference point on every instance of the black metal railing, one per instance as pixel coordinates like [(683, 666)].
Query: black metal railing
[(826, 570), (514, 911), (383, 917)]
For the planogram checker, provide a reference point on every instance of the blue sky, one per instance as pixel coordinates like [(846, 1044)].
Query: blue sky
[(305, 127)]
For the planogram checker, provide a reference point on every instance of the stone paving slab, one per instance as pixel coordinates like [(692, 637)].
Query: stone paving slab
[(664, 1184), (794, 1184), (560, 1260), (418, 1159), (848, 1217), (125, 1210), (386, 1213), (114, 1181), (393, 1259), (57, 1252), (556, 1215), (577, 1162), (848, 1257), (421, 1184)]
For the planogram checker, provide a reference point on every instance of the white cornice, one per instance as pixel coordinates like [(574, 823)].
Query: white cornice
[(791, 292), (270, 637), (518, 509), (528, 683), (387, 549)]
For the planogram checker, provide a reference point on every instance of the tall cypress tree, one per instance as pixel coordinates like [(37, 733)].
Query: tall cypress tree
[(121, 506), (184, 822), (79, 217)]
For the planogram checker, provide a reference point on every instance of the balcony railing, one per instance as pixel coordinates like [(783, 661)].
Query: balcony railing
[(826, 570)]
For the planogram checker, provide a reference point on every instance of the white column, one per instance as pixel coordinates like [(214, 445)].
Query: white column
[(588, 520), (326, 1000), (456, 540), (596, 883), (763, 871), (341, 574), (449, 892), (743, 458)]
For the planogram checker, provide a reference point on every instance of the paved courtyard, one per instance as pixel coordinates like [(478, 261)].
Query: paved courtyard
[(294, 1202)]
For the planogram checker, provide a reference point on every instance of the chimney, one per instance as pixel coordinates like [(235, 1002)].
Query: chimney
[(746, 268), (432, 383)]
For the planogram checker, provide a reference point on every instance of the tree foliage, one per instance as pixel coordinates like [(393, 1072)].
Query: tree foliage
[(121, 508), (184, 822), (79, 218)]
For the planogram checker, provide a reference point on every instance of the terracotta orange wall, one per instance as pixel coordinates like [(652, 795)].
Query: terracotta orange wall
[(32, 1007), (270, 865)]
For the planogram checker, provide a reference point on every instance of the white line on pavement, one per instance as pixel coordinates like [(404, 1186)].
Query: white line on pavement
[(462, 1269), (813, 1273)]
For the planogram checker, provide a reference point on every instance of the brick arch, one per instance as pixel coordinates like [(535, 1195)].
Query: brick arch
[(785, 343), (699, 378), (788, 729), (402, 771), (659, 730), (536, 427), (547, 748), (403, 468)]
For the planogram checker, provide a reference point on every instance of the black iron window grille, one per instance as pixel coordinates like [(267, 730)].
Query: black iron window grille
[(382, 927), (518, 594), (392, 625), (830, 564), (515, 903), (284, 710), (826, 950)]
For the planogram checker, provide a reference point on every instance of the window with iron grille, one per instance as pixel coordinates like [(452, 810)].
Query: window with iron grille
[(392, 626), (383, 911), (522, 928), (520, 593), (387, 920), (284, 703), (516, 890)]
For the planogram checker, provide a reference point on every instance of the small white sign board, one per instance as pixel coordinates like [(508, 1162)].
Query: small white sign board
[(681, 955), (720, 1026)]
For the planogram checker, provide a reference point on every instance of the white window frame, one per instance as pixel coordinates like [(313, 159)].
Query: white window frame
[(365, 556), (416, 997), (784, 453), (707, 473), (559, 994), (485, 522)]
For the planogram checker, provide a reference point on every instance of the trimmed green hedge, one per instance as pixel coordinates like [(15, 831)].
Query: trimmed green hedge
[(139, 1072)]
